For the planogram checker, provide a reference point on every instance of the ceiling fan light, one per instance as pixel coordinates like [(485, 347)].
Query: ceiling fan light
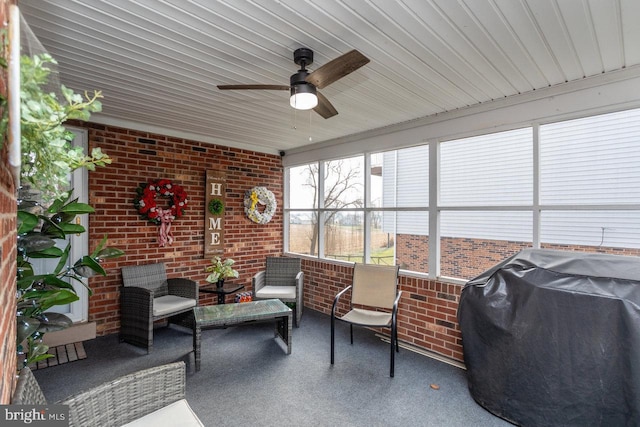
[(303, 101), (303, 97)]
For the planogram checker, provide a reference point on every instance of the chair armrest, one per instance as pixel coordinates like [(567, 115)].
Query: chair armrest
[(257, 282), (181, 287), (395, 303), (128, 398), (299, 279), (300, 288), (394, 315), (136, 301), (335, 300), (28, 391)]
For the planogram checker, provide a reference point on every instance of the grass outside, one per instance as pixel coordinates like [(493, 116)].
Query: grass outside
[(343, 243)]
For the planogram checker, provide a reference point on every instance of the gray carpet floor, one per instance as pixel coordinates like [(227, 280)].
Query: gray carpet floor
[(246, 379)]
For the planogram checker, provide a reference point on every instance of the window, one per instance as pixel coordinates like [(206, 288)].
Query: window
[(344, 235), (344, 183), (487, 170), (491, 200), (473, 241), (485, 178), (343, 220), (303, 221), (590, 183), (404, 188)]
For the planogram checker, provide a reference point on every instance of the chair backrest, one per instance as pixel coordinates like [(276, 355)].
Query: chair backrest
[(282, 271), (374, 285), (28, 390), (149, 276)]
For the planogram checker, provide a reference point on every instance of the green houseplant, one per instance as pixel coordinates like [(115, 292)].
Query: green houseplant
[(220, 270), (47, 154), (46, 212)]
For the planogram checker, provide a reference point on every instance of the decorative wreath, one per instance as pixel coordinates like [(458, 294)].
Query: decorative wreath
[(216, 206), (259, 195), (146, 203)]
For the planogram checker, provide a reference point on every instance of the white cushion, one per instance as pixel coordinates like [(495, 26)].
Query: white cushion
[(268, 292), (169, 303), (176, 414)]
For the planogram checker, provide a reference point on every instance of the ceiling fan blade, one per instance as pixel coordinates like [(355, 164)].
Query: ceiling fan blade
[(324, 107), (253, 87), (336, 69)]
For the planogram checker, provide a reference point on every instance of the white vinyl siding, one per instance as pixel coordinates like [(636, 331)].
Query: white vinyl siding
[(389, 179), (595, 160), (487, 170), (492, 225), (586, 164), (413, 223), (619, 229), (405, 176), (408, 169)]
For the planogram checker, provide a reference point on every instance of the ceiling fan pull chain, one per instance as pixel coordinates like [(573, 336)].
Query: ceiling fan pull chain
[(294, 125)]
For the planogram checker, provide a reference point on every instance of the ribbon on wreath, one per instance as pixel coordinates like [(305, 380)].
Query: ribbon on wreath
[(165, 235), (147, 196)]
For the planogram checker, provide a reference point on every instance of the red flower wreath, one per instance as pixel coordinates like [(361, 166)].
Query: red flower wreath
[(145, 201)]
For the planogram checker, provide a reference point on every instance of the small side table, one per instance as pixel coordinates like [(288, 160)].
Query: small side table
[(221, 292)]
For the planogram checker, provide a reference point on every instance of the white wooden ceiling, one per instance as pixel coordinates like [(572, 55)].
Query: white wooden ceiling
[(158, 61)]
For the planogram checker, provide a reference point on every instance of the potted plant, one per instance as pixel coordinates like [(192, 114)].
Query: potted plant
[(37, 293), (46, 212), (220, 270)]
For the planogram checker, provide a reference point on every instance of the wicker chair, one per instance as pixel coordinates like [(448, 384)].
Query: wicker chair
[(282, 279), (374, 303), (154, 396), (147, 296)]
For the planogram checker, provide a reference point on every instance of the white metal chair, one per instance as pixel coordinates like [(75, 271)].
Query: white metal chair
[(374, 303)]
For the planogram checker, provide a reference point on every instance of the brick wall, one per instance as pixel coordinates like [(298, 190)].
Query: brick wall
[(428, 308), (466, 258), (139, 156), (8, 210)]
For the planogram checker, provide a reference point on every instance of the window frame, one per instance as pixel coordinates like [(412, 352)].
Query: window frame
[(434, 207)]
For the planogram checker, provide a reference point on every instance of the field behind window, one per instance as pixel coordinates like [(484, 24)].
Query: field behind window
[(342, 242)]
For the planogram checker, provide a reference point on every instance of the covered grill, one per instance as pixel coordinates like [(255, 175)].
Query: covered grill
[(553, 338)]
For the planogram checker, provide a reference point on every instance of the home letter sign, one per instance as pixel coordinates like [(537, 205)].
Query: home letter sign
[(216, 187)]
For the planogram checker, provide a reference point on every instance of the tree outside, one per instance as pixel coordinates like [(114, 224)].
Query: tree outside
[(343, 229)]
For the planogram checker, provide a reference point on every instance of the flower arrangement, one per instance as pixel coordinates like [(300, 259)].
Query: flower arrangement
[(220, 269), (145, 201)]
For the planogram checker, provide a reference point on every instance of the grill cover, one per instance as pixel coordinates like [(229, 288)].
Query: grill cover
[(552, 338)]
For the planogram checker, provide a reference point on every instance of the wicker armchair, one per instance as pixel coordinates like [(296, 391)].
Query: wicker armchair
[(154, 396), (282, 279), (147, 296)]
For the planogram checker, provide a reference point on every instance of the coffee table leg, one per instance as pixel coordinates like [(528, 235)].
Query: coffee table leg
[(289, 335), (197, 331), (283, 330)]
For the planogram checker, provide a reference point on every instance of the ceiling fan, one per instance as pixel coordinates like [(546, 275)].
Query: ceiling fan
[(304, 84)]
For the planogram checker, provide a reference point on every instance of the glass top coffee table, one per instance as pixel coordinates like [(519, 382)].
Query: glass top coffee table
[(233, 314)]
